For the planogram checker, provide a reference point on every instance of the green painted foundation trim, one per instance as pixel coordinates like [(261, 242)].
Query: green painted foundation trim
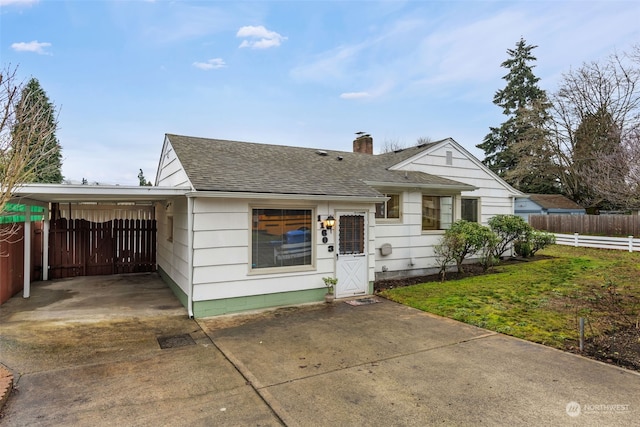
[(256, 302), (179, 293)]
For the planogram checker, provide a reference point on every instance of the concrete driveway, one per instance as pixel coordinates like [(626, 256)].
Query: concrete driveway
[(385, 364), (86, 352), (376, 364)]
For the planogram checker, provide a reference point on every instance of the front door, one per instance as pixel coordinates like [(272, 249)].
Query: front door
[(351, 257)]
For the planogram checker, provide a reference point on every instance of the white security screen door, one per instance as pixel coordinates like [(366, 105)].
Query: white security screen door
[(351, 257)]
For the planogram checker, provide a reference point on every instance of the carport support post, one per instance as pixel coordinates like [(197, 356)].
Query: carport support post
[(26, 291), (45, 245)]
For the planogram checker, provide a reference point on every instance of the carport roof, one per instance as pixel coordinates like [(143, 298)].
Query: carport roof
[(73, 193)]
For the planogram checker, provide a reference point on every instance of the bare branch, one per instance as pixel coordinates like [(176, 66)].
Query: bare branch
[(592, 136), (25, 126)]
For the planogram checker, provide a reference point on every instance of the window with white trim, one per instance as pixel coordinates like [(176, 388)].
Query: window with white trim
[(389, 209), (437, 212), (281, 238), (470, 209)]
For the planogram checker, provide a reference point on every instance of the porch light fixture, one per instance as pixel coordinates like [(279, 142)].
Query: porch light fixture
[(330, 222)]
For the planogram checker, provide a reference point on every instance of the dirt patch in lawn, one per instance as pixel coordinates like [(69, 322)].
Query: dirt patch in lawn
[(620, 348)]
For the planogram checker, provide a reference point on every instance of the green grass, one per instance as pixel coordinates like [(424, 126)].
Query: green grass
[(540, 300)]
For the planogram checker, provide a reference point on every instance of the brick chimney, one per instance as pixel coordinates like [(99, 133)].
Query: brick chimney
[(363, 144)]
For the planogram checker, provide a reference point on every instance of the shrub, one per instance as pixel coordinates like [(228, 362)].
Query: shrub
[(488, 258), (462, 240), (508, 228), (444, 255), (522, 247), (540, 240), (532, 242)]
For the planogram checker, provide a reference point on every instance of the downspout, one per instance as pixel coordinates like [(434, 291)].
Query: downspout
[(190, 255)]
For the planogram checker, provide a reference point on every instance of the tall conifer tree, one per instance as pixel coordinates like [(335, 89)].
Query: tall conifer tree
[(519, 98), (35, 117)]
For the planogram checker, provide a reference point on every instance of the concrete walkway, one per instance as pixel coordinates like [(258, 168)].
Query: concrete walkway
[(91, 355)]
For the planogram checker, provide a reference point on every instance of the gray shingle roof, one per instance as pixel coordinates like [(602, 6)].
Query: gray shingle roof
[(233, 166), (554, 201)]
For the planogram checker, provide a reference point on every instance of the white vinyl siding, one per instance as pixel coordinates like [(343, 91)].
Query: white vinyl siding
[(222, 251), (170, 170), (496, 196), (407, 239), (173, 254), (412, 247)]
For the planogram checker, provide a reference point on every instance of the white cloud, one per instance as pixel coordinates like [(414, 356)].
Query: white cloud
[(212, 64), (355, 95), (33, 46), (260, 37), (17, 2)]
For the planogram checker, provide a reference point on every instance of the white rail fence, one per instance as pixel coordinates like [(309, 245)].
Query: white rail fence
[(620, 243)]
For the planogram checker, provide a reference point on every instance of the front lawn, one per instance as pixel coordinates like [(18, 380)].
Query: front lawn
[(542, 299)]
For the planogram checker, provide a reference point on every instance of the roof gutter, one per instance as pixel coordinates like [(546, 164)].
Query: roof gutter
[(71, 193)]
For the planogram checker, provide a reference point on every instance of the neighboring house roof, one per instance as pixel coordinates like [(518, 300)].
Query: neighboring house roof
[(233, 166), (554, 201)]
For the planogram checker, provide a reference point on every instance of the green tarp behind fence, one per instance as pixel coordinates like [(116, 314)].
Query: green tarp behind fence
[(11, 213)]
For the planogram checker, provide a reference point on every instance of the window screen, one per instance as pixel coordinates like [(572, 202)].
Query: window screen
[(351, 235)]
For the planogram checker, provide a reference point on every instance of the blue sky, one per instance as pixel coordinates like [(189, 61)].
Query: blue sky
[(300, 73)]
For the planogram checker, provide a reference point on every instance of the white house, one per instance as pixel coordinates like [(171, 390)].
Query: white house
[(257, 227)]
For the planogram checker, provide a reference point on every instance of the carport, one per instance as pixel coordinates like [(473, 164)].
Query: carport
[(44, 195)]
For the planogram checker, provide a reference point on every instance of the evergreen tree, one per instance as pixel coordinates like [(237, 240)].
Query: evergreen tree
[(536, 170), (143, 180), (518, 99), (34, 132)]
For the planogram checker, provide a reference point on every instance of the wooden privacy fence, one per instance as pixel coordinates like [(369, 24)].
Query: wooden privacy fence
[(82, 248), (621, 243), (594, 225), (12, 257)]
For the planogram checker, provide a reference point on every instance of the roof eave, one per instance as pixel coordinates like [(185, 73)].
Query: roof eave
[(285, 196), (454, 187), (75, 193)]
